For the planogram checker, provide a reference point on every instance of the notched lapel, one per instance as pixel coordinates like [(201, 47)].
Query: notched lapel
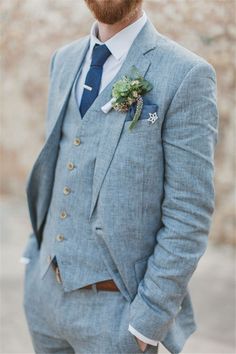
[(66, 75), (114, 122), (145, 42)]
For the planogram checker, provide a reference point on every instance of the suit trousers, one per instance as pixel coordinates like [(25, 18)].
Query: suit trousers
[(80, 321)]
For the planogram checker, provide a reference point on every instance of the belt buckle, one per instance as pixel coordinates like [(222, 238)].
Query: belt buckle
[(58, 276)]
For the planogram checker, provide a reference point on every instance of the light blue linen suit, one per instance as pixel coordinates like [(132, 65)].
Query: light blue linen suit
[(152, 193)]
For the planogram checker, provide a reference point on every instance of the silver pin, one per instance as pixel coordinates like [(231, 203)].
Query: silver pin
[(88, 87), (152, 117)]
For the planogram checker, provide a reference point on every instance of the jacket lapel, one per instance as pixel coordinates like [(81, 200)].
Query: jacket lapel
[(114, 121), (65, 78)]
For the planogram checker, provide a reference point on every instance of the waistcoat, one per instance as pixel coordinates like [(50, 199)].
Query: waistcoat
[(67, 232)]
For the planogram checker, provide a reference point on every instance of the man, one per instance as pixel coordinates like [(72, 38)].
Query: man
[(120, 216)]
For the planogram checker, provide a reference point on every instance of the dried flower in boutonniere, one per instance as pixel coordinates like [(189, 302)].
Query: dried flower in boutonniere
[(129, 90)]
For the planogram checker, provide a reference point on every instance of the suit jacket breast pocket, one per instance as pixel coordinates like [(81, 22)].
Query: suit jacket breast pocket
[(146, 110), (142, 125)]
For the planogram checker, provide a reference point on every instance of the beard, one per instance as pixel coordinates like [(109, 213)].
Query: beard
[(113, 11)]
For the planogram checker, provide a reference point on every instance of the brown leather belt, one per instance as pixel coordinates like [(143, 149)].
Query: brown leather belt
[(106, 285)]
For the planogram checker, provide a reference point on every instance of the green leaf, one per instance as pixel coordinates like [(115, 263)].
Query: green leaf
[(137, 113)]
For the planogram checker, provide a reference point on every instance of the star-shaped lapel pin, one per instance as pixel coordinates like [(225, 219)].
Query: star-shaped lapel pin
[(152, 117)]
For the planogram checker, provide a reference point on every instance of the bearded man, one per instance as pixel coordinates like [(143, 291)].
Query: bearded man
[(121, 195)]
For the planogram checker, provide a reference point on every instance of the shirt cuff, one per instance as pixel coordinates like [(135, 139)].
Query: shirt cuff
[(25, 260), (142, 337)]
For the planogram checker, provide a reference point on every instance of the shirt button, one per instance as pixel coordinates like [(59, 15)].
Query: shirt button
[(77, 141), (66, 190), (60, 237), (63, 214), (70, 166)]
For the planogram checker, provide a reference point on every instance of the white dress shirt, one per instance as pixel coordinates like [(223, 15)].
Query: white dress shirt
[(119, 46)]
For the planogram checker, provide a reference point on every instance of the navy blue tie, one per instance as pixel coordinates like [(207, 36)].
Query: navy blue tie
[(93, 79)]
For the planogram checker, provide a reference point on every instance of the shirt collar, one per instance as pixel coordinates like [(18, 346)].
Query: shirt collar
[(121, 42)]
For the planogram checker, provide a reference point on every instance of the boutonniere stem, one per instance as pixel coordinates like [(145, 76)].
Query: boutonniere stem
[(138, 112), (108, 106)]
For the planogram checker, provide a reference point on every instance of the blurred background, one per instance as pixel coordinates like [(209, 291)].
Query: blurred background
[(30, 32)]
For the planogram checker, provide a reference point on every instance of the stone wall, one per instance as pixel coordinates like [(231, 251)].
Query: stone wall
[(33, 29)]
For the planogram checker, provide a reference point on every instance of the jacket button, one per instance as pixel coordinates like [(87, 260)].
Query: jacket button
[(60, 237), (63, 214), (77, 141), (70, 166), (66, 190)]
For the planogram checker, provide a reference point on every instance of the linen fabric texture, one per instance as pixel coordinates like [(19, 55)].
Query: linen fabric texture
[(152, 196)]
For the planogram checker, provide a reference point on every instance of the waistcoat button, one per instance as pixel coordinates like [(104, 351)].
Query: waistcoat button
[(60, 237), (70, 166), (77, 141), (66, 190), (63, 214)]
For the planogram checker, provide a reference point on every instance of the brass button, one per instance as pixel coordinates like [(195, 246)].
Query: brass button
[(70, 166), (60, 237), (66, 190), (77, 141), (63, 214)]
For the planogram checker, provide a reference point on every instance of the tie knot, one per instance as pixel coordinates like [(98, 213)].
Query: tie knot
[(100, 55)]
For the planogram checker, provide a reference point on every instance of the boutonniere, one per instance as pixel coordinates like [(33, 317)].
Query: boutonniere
[(125, 92)]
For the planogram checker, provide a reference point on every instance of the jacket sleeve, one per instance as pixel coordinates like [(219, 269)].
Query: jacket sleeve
[(189, 137), (142, 337), (30, 249), (52, 61)]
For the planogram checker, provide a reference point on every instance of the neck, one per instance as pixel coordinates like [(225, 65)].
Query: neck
[(106, 31)]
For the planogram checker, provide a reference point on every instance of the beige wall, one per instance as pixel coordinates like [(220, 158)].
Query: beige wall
[(33, 29)]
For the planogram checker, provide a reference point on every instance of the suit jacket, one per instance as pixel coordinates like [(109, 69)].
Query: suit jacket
[(153, 192)]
